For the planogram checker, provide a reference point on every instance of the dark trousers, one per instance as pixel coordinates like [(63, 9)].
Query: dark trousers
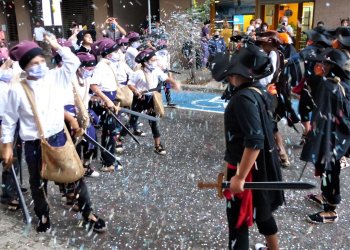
[(305, 105), (167, 92), (239, 237), (139, 105), (9, 190), (38, 186), (330, 183), (108, 137)]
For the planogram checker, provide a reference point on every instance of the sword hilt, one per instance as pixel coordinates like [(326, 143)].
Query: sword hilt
[(214, 185)]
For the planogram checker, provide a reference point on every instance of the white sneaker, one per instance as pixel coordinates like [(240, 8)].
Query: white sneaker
[(260, 246), (344, 163), (89, 172), (95, 174), (119, 148), (119, 167), (139, 132)]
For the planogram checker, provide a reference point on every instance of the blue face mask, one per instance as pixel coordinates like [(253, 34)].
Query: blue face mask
[(6, 75), (86, 73), (38, 71)]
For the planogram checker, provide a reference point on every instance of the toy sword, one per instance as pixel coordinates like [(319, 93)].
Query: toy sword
[(277, 185), (148, 117), (121, 124), (27, 218), (95, 143)]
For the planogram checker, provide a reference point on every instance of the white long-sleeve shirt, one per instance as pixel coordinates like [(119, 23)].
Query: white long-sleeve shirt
[(49, 93), (267, 80), (105, 75), (163, 57), (139, 79), (124, 72), (82, 90), (4, 89), (130, 56)]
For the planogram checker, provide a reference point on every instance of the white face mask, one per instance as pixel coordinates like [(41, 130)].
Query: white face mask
[(136, 44), (117, 57), (38, 71), (6, 75), (84, 73), (151, 65), (163, 52)]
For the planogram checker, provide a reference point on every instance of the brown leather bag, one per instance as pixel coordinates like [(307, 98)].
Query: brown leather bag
[(59, 164), (83, 117), (124, 94), (157, 100)]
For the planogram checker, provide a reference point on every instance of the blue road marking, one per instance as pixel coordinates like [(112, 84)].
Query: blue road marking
[(194, 100), (209, 102)]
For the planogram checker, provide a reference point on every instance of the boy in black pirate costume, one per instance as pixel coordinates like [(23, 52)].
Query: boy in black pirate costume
[(318, 41), (251, 152), (328, 140)]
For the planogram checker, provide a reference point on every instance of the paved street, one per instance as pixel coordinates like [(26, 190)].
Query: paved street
[(154, 202)]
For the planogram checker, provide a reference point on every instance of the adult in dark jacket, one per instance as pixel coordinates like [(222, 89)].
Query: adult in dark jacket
[(328, 139), (251, 153)]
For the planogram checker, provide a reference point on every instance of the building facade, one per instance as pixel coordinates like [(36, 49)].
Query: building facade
[(17, 18)]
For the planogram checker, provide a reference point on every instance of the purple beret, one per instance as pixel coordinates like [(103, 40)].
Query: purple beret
[(133, 36), (162, 44), (122, 40), (86, 59), (104, 47), (24, 52), (145, 55)]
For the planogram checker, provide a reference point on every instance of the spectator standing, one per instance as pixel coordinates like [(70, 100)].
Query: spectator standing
[(251, 28), (344, 22), (285, 27), (226, 32), (38, 35), (115, 31), (205, 36), (216, 45)]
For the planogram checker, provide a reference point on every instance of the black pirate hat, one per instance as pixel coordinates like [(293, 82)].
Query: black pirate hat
[(338, 59), (343, 35), (319, 35), (250, 62)]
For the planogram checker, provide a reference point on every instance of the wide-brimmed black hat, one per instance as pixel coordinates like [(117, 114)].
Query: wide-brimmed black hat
[(343, 35), (250, 62), (82, 33), (319, 35), (337, 58)]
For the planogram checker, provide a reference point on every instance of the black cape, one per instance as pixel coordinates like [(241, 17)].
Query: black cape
[(329, 138), (268, 165)]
